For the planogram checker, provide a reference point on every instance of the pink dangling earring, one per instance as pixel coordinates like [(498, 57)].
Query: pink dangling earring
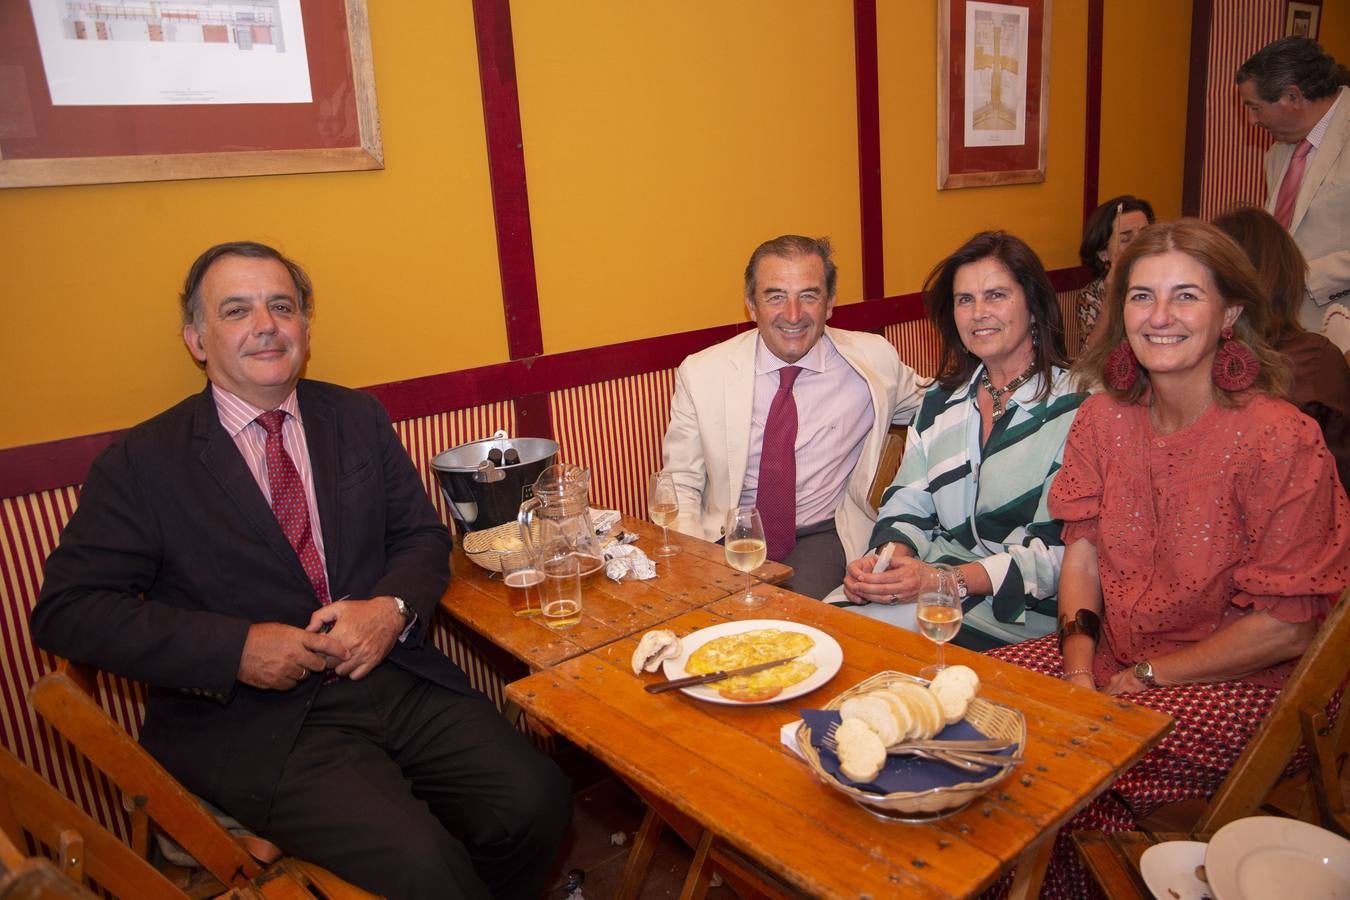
[(1235, 365), (1122, 368)]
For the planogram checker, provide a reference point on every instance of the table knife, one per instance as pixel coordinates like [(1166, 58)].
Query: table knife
[(662, 686)]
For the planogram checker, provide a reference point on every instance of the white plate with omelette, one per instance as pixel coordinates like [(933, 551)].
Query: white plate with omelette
[(733, 645)]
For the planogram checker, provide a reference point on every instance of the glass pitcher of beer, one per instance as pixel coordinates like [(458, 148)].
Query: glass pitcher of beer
[(556, 522)]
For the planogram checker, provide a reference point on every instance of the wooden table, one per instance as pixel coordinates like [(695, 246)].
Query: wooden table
[(723, 768), (479, 602)]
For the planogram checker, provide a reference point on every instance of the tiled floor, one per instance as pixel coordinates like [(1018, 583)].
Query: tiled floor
[(605, 817)]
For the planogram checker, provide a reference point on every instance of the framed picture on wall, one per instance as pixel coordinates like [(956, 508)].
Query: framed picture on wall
[(123, 90), (993, 92), (1302, 20)]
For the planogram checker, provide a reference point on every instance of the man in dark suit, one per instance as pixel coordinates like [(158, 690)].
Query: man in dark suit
[(291, 679)]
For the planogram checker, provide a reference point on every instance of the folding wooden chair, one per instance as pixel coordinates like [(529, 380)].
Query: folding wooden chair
[(1316, 795), (65, 698)]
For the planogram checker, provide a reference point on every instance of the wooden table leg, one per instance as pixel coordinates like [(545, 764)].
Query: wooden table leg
[(1031, 865), (700, 873), (640, 856)]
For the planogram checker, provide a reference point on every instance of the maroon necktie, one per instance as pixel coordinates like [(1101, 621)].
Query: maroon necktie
[(289, 504), (1287, 198), (776, 491)]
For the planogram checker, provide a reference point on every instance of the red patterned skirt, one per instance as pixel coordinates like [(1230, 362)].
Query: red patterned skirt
[(1214, 722)]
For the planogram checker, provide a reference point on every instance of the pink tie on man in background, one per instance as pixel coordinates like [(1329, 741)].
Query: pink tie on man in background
[(776, 492), (289, 504), (1293, 179)]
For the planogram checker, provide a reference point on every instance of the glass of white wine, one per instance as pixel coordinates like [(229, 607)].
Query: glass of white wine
[(743, 541), (663, 505), (938, 611)]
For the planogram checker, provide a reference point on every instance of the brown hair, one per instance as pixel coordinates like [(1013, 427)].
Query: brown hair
[(1236, 282), (788, 246), (1278, 263), (1097, 229), (957, 363), (191, 301)]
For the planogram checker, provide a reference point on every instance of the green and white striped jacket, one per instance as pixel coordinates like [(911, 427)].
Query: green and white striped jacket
[(955, 502)]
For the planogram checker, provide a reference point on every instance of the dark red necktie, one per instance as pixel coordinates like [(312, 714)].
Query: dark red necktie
[(776, 491), (289, 504)]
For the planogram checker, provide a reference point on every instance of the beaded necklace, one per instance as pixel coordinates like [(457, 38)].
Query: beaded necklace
[(998, 393)]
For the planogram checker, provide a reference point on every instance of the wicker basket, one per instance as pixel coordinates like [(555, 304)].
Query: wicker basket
[(990, 719), (486, 547)]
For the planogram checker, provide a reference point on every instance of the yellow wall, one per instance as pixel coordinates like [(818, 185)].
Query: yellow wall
[(1334, 32), (1146, 46), (662, 142), (923, 224), (404, 260)]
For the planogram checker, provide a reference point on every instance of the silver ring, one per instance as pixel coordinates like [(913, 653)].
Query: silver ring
[(893, 599), (304, 673)]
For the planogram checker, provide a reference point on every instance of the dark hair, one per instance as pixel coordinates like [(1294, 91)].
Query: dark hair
[(191, 301), (1097, 229), (787, 246), (1278, 262), (1293, 60), (957, 363), (1236, 282)]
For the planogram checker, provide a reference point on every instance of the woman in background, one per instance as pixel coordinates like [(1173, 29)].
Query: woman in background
[(1207, 535), (981, 455), (1108, 231), (1321, 386)]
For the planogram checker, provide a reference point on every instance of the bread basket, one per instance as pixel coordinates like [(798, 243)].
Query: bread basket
[(485, 548), (991, 719)]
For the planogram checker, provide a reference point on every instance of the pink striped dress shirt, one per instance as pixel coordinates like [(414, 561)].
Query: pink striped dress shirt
[(834, 417), (238, 417)]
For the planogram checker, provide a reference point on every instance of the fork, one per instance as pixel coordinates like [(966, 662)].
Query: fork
[(956, 753)]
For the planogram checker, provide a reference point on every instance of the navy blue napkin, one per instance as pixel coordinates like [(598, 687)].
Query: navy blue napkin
[(902, 773)]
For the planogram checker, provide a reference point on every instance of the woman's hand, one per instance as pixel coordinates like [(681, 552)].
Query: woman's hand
[(898, 584), (1083, 679), (1123, 682)]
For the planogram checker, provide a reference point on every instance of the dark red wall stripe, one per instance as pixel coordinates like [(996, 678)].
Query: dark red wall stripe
[(506, 170), (1092, 138), (1202, 12), (869, 147)]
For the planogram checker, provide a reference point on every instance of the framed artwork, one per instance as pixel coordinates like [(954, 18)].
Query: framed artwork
[(1302, 19), (123, 90), (993, 92)]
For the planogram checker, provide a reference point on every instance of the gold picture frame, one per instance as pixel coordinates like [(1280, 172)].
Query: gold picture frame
[(350, 93), (997, 142)]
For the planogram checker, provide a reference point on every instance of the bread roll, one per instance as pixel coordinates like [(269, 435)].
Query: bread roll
[(876, 713), (963, 675), (861, 752)]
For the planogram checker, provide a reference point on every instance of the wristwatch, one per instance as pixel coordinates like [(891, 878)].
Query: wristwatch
[(1143, 671), (404, 610), (962, 589), (1084, 621)]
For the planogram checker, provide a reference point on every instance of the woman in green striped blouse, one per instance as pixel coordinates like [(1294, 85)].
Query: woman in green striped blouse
[(982, 453)]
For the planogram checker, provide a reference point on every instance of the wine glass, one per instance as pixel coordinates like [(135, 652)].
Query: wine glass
[(663, 505), (938, 611), (743, 541)]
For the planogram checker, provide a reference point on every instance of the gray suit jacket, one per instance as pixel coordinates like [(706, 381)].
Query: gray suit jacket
[(1321, 224)]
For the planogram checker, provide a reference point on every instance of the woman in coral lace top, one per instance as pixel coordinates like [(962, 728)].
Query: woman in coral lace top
[(1207, 533)]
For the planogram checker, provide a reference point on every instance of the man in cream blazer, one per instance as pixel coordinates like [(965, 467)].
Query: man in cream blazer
[(1296, 92), (851, 388)]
